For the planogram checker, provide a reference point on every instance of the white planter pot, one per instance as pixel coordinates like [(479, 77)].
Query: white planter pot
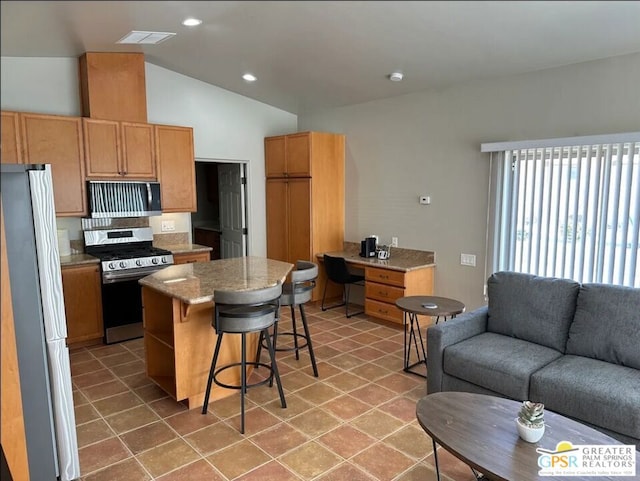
[(528, 434)]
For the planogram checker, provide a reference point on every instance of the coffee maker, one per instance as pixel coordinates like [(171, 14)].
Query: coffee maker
[(368, 247)]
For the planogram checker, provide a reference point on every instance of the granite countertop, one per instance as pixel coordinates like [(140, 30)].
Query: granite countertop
[(185, 248), (401, 259), (78, 259), (194, 283)]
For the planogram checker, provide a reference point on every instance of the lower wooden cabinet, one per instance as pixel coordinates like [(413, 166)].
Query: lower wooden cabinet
[(384, 286), (83, 303), (189, 257)]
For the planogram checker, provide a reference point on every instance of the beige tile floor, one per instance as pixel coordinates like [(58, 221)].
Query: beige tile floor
[(355, 422)]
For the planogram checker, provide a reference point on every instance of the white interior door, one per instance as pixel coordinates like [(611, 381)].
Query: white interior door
[(231, 188)]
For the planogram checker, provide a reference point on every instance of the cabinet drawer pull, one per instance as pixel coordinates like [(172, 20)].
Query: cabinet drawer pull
[(383, 293), (383, 311), (383, 277)]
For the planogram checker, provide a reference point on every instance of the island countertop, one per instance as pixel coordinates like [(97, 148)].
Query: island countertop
[(195, 283)]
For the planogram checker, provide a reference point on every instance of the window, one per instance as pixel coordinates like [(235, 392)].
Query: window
[(566, 208)]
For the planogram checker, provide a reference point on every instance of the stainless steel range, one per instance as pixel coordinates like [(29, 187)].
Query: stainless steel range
[(126, 256)]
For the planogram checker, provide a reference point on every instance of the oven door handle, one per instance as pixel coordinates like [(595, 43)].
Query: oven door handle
[(112, 277)]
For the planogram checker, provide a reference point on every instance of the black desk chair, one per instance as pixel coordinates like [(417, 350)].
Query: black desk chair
[(244, 312), (338, 272)]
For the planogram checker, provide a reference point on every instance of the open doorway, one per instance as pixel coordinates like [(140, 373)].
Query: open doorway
[(221, 219)]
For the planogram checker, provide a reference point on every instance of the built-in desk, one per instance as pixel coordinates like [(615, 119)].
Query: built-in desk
[(407, 272)]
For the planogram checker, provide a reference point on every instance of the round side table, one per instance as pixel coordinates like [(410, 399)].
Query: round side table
[(414, 306)]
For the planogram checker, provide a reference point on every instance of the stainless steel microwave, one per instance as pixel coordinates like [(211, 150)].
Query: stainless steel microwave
[(123, 198)]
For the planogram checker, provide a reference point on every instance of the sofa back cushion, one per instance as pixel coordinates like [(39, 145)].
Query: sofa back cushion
[(536, 309), (607, 325)]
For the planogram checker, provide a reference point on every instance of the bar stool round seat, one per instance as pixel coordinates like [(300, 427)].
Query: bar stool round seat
[(245, 312), (297, 293)]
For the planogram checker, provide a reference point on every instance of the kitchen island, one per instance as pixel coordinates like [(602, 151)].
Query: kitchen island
[(177, 312)]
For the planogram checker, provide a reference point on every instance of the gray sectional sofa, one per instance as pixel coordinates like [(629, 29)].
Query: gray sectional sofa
[(574, 347)]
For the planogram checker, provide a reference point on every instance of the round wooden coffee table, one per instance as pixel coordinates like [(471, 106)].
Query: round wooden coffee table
[(480, 430), (414, 306)]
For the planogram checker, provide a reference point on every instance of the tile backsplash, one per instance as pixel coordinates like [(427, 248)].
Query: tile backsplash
[(175, 238)]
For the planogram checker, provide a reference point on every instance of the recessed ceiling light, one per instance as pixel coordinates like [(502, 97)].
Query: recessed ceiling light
[(249, 77), (396, 76), (191, 22)]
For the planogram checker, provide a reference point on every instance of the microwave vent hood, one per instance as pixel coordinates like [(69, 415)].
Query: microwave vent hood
[(123, 199)]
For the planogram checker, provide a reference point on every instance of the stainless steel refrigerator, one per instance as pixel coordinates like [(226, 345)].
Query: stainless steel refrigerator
[(40, 322)]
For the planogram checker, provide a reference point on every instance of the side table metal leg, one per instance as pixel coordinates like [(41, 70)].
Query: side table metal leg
[(405, 345), (435, 458), (414, 321), (424, 352)]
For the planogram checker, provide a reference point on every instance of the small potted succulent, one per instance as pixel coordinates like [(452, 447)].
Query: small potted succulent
[(530, 421)]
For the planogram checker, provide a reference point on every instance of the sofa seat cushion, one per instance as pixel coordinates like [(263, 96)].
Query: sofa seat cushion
[(607, 324), (597, 392), (532, 308), (500, 363)]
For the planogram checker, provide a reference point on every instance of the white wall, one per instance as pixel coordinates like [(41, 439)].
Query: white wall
[(226, 125), (429, 143)]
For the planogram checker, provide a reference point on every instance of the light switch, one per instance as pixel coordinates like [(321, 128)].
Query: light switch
[(168, 226)]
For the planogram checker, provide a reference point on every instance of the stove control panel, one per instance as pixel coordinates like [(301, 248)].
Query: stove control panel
[(138, 263)]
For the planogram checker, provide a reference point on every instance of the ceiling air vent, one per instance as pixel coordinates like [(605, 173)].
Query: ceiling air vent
[(137, 37)]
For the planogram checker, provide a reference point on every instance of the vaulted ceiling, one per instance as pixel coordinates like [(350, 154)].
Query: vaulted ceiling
[(312, 55)]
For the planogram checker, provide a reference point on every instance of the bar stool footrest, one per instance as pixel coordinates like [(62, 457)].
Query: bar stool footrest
[(248, 363), (293, 348)]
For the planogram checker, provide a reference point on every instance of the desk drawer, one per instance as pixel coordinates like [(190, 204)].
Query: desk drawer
[(383, 310), (384, 276), (383, 292)]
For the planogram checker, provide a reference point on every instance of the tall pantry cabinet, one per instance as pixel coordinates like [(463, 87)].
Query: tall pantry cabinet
[(304, 197)]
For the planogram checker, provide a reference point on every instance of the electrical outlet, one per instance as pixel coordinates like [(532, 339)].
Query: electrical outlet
[(468, 260), (394, 242), (168, 226)]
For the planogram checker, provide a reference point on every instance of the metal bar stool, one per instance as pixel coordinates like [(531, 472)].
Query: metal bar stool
[(244, 312), (297, 293)]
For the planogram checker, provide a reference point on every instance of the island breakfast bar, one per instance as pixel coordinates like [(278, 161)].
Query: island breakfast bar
[(177, 312)]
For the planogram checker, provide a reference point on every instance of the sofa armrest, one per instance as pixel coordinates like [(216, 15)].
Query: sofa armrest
[(446, 334)]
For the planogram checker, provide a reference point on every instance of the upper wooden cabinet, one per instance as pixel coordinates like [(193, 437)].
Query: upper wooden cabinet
[(57, 140), (305, 213), (176, 168), (118, 150), (112, 86), (11, 139), (289, 155)]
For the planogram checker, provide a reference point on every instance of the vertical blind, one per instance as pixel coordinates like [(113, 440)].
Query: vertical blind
[(569, 211)]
